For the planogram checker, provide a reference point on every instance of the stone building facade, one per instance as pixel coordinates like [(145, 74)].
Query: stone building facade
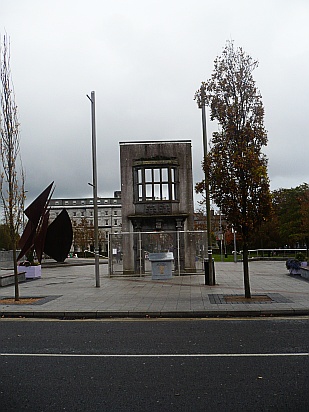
[(157, 196), (80, 211)]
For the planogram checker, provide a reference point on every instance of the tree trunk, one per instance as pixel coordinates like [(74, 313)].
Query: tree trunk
[(15, 273), (13, 240), (246, 270)]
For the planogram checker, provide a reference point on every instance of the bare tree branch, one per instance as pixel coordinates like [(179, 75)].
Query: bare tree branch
[(12, 177)]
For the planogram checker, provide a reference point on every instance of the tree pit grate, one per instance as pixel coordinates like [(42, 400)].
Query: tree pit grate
[(241, 299)]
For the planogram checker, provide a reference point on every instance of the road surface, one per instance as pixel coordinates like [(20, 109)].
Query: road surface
[(154, 365)]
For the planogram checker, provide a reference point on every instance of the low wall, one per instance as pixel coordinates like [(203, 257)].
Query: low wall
[(9, 278), (304, 272), (272, 259), (6, 259)]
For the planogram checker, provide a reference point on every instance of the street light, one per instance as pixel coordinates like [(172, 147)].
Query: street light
[(201, 105), (235, 250), (95, 191)]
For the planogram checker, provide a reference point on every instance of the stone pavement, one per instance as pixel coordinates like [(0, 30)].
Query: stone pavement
[(68, 291)]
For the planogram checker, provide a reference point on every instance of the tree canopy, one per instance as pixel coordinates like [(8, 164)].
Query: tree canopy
[(236, 166), (5, 240), (291, 207), (289, 222)]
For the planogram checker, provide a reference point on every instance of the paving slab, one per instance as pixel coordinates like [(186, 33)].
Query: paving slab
[(68, 291)]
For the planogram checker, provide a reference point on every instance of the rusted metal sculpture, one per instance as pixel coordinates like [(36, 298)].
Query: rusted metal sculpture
[(55, 240)]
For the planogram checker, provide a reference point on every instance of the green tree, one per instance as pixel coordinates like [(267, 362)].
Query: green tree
[(291, 208), (304, 212), (289, 223), (5, 242), (12, 177), (236, 166)]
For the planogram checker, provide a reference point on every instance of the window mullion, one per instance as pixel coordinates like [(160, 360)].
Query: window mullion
[(143, 185), (160, 183), (152, 185)]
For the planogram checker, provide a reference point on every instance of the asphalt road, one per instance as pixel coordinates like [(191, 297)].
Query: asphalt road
[(154, 365)]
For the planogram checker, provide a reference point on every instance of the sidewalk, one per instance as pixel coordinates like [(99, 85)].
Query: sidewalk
[(68, 291)]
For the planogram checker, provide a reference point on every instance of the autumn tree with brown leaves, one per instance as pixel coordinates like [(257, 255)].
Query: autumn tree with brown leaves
[(235, 164), (83, 234), (12, 192)]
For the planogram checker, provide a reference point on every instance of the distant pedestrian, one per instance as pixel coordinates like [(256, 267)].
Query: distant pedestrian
[(118, 256)]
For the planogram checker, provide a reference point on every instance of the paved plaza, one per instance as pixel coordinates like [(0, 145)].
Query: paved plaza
[(68, 291)]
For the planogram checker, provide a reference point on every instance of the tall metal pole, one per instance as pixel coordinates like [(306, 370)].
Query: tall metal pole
[(235, 247), (211, 272), (221, 238), (95, 191)]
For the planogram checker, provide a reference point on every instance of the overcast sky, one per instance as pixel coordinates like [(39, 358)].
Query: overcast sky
[(145, 59)]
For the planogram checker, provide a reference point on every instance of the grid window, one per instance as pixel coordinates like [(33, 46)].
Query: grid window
[(155, 184)]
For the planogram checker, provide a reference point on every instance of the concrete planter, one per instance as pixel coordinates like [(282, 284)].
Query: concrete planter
[(31, 272), (304, 272)]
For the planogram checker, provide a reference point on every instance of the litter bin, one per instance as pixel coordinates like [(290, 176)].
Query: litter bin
[(206, 268), (161, 265)]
